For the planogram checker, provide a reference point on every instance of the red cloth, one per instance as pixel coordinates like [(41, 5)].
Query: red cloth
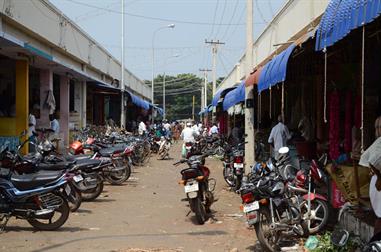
[(348, 123), (334, 125), (358, 112)]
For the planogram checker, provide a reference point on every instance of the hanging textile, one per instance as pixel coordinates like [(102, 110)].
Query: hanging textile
[(334, 125), (50, 102), (348, 123)]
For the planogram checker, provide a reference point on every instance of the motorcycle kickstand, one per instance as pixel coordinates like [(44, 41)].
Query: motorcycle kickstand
[(190, 211)]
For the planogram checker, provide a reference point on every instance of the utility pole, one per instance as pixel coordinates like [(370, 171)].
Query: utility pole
[(193, 108), (122, 112), (214, 44), (249, 112), (205, 97)]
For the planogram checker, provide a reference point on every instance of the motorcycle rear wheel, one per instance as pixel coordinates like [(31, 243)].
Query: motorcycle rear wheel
[(228, 176), (119, 177), (267, 238), (199, 210), (74, 199), (93, 193), (63, 209)]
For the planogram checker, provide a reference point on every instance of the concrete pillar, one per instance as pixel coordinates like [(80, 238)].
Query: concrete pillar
[(64, 109), (46, 84), (249, 112), (83, 102), (22, 98)]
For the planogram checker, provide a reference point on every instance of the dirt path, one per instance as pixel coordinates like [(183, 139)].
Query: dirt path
[(145, 213)]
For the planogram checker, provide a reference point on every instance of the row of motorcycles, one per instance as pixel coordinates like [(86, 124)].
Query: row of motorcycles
[(44, 185), (282, 202)]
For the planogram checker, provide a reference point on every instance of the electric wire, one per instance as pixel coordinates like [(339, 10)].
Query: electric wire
[(231, 20), (221, 19), (214, 18), (153, 18)]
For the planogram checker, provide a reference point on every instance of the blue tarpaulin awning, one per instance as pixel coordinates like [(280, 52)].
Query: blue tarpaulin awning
[(341, 17), (158, 109), (220, 94), (139, 101), (275, 70), (235, 96)]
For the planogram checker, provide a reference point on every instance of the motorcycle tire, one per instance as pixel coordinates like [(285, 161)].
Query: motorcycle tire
[(93, 193), (63, 209), (120, 177), (228, 176), (237, 183), (74, 199), (199, 210), (323, 215), (268, 240)]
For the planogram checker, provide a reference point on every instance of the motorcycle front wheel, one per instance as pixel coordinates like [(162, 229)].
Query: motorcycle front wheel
[(51, 221), (319, 215)]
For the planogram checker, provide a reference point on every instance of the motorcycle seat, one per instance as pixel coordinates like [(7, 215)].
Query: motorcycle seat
[(86, 164), (71, 158), (52, 166), (31, 181), (107, 152)]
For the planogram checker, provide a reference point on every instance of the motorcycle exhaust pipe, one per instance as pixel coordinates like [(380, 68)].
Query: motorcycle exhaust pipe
[(297, 189)]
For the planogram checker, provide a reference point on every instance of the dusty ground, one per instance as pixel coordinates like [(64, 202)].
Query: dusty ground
[(145, 214)]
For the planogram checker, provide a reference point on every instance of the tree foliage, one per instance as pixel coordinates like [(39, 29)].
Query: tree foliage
[(180, 90)]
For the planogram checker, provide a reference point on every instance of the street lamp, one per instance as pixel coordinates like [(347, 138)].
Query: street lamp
[(165, 64), (170, 26)]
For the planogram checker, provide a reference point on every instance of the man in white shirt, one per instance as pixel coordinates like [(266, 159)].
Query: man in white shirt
[(54, 124), (32, 119), (279, 136), (213, 130), (188, 134), (167, 128), (142, 128)]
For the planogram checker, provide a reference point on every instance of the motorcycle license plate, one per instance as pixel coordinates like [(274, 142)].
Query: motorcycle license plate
[(188, 147), (67, 189), (238, 165), (77, 178), (251, 207), (191, 187)]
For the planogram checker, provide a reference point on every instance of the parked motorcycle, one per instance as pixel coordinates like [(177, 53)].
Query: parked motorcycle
[(165, 145), (271, 207), (233, 163), (198, 186), (38, 198)]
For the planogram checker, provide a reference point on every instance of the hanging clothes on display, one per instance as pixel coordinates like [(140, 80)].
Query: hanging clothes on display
[(348, 123), (334, 125)]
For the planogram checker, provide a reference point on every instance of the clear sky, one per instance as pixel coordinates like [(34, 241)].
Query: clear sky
[(178, 50)]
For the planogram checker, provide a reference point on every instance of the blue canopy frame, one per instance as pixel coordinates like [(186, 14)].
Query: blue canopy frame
[(341, 17), (275, 71), (235, 96)]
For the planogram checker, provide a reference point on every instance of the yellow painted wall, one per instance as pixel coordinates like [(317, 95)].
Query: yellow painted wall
[(14, 126)]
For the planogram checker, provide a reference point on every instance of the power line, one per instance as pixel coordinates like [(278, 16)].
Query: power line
[(152, 18), (260, 12), (222, 17), (214, 18), (235, 27), (231, 20)]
